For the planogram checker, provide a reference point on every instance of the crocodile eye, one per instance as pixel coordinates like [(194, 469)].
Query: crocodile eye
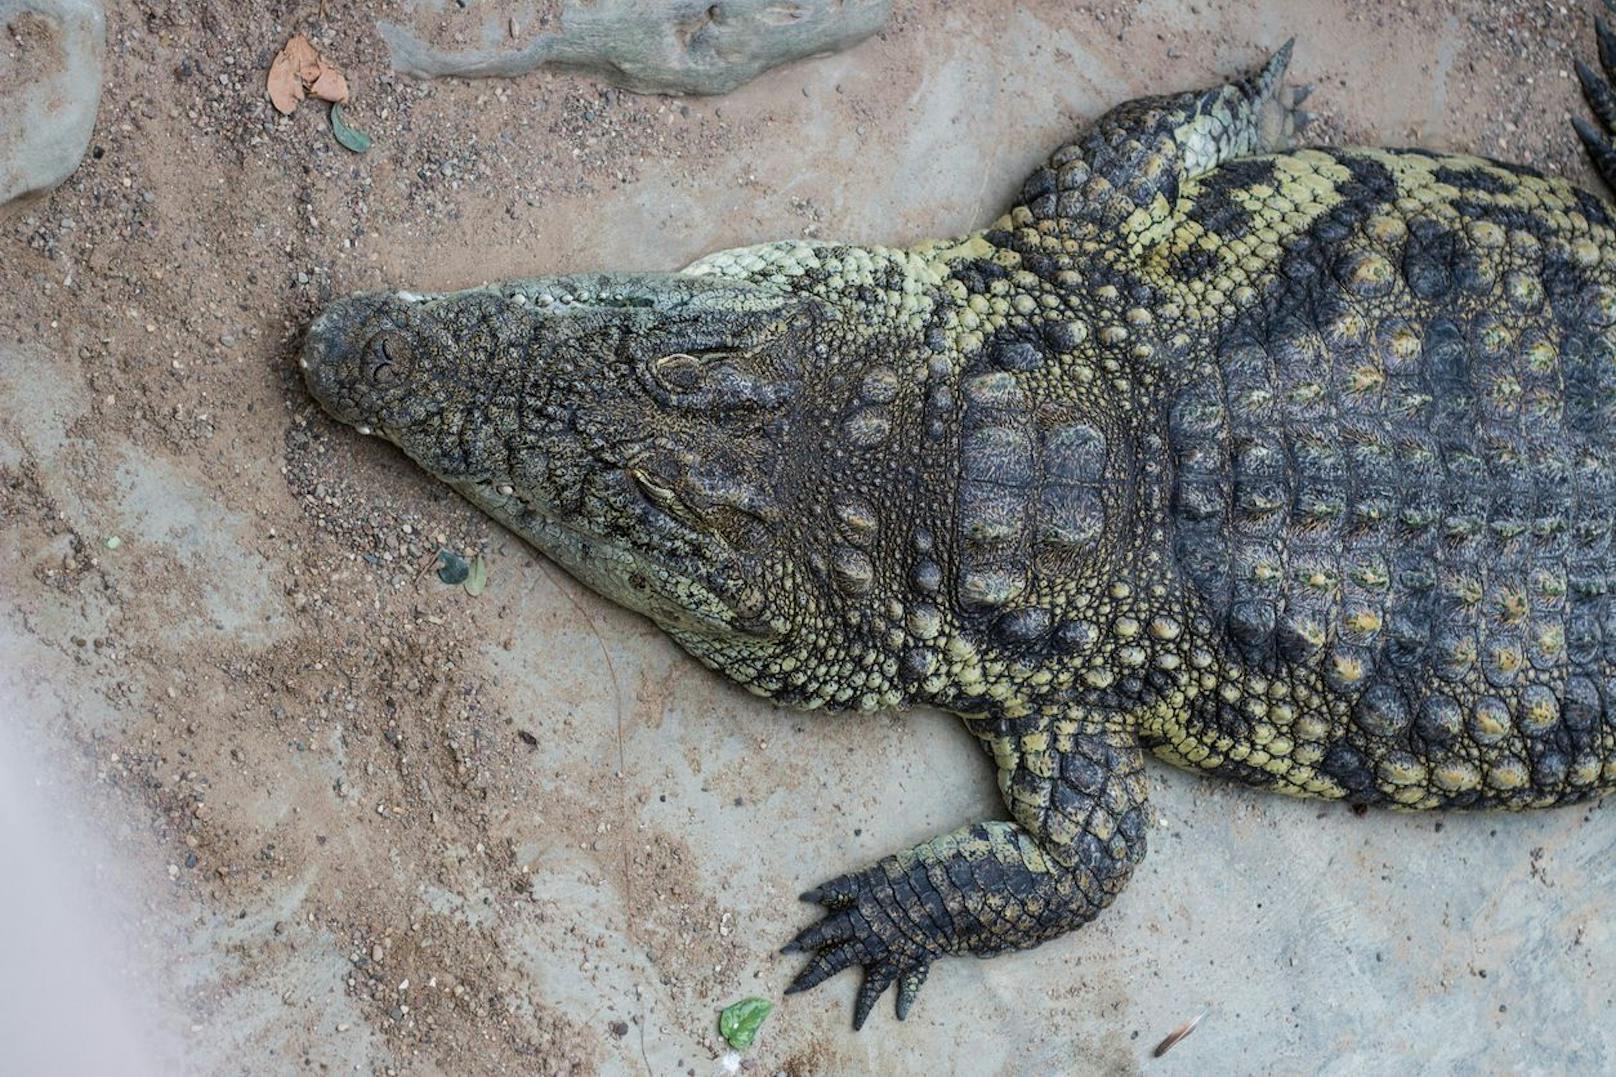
[(654, 491), (387, 358), (679, 372), (664, 498)]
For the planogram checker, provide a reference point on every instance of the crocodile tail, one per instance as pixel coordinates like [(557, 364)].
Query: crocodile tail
[(1596, 87)]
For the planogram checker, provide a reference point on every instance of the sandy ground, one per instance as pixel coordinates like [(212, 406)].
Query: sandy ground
[(362, 821)]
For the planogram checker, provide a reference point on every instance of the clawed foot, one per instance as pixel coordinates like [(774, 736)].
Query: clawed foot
[(1291, 98), (988, 887), (1596, 88), (1281, 117), (871, 921)]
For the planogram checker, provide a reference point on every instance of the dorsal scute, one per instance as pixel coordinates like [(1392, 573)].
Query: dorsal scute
[(1395, 485), (1031, 488)]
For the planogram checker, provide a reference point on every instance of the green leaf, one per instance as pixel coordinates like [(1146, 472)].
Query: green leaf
[(477, 577), (739, 1022), (351, 138), (452, 568)]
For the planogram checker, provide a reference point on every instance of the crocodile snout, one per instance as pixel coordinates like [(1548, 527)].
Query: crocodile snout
[(333, 359)]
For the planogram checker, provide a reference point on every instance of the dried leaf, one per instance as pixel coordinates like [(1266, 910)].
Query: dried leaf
[(285, 90), (300, 51), (353, 139), (300, 70), (329, 85), (477, 577), (286, 82), (739, 1022)]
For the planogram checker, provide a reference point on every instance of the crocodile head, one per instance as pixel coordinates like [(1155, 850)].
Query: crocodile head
[(640, 430)]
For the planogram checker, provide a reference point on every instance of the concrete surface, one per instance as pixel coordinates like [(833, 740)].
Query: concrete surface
[(50, 85), (371, 824)]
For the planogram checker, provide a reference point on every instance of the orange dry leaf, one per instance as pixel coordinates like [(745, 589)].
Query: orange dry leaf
[(330, 86), (300, 69), (286, 73)]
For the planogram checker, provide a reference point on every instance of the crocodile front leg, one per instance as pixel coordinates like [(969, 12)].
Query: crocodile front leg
[(1076, 793)]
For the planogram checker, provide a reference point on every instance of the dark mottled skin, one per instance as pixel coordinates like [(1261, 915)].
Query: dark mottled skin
[(1290, 465)]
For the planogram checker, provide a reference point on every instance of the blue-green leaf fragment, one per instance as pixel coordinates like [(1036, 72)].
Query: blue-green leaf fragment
[(452, 568), (739, 1022), (350, 137)]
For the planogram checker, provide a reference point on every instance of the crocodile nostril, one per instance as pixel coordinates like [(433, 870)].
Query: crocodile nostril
[(387, 358)]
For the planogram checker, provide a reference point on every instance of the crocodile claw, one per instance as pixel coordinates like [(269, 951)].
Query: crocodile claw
[(908, 988), (1596, 89), (857, 930), (1282, 117)]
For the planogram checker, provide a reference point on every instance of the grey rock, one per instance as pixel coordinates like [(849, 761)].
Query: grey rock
[(51, 53), (659, 46)]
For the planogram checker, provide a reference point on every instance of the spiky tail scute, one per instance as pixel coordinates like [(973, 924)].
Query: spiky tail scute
[(1596, 87)]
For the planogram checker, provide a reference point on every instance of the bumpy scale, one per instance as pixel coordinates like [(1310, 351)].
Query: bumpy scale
[(1291, 465)]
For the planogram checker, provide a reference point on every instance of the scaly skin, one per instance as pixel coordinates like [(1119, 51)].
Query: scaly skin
[(1295, 466)]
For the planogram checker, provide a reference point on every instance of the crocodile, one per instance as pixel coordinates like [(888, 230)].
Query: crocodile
[(1295, 465)]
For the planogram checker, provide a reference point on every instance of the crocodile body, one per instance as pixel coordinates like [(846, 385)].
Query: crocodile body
[(1293, 465)]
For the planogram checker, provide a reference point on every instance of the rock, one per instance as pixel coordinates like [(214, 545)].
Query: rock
[(659, 46), (50, 86)]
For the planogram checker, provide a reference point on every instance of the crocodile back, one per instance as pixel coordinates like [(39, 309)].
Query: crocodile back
[(1394, 483)]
